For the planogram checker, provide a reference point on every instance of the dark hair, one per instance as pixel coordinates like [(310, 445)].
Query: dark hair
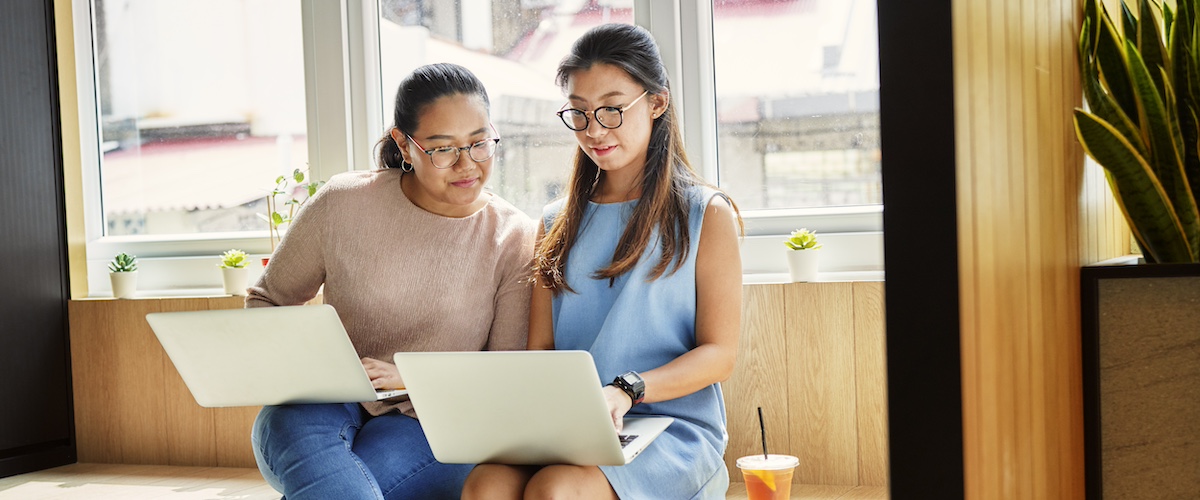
[(665, 180), (420, 88)]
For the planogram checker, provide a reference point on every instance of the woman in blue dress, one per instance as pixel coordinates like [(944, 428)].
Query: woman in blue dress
[(639, 265)]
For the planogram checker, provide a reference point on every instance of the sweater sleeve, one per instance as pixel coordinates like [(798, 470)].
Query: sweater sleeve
[(296, 270), (510, 322)]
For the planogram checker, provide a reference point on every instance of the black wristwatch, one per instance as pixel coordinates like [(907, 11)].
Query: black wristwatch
[(632, 384)]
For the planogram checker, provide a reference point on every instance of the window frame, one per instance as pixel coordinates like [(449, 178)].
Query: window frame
[(345, 103)]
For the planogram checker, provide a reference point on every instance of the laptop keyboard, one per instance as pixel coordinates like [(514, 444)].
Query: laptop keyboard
[(626, 439)]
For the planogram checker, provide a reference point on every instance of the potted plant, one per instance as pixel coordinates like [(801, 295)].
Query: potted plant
[(295, 192), (122, 271), (234, 272), (1141, 79), (803, 255), (1142, 86)]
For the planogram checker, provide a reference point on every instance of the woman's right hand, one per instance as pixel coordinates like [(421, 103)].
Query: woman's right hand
[(383, 375), (618, 405)]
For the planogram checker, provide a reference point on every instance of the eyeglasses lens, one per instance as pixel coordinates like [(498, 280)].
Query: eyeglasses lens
[(609, 117)]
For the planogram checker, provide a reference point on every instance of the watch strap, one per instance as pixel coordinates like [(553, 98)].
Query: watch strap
[(636, 390)]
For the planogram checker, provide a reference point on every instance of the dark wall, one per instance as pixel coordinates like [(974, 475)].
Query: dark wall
[(916, 86), (36, 426)]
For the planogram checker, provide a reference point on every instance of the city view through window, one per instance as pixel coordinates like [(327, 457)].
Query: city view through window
[(198, 118)]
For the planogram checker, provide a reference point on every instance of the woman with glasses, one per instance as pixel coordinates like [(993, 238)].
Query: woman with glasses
[(415, 256), (639, 265)]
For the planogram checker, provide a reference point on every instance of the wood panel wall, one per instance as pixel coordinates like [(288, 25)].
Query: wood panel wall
[(829, 410), (1030, 215), (811, 355), (131, 406)]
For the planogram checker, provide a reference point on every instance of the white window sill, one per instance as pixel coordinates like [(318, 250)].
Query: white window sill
[(822, 277)]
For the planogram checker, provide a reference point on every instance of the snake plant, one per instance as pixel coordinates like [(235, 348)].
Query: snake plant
[(1142, 86)]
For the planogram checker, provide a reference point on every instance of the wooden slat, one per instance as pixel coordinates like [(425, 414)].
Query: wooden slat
[(870, 383), (93, 353), (141, 408), (966, 104), (756, 380), (233, 436), (820, 358), (190, 427), (1029, 216)]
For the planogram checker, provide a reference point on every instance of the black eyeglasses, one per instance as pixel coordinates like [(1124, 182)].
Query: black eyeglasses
[(447, 156), (606, 116)]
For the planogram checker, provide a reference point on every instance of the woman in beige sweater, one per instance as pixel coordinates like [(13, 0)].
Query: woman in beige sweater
[(414, 256)]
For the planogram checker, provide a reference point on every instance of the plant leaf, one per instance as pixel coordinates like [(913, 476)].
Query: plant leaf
[(1110, 58), (1157, 130), (1168, 19), (1150, 43), (298, 176), (1141, 197), (1129, 22), (1100, 102)]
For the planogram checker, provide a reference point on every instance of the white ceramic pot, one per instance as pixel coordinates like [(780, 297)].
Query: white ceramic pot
[(235, 279), (124, 285), (803, 264)]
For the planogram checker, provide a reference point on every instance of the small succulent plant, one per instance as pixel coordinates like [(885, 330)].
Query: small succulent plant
[(233, 259), (802, 239), (123, 263)]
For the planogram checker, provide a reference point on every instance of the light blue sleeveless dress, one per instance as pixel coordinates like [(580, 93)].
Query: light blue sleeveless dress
[(639, 325)]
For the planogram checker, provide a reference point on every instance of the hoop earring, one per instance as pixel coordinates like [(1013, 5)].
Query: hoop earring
[(405, 167)]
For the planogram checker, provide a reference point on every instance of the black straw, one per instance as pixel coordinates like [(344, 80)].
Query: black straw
[(763, 429)]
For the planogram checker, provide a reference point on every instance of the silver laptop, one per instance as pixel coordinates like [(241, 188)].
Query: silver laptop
[(519, 407), (265, 356)]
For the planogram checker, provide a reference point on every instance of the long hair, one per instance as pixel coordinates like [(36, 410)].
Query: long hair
[(665, 180), (419, 89)]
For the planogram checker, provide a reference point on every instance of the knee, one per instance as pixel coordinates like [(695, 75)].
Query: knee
[(492, 481), (565, 482), (287, 423), (272, 421), (476, 485)]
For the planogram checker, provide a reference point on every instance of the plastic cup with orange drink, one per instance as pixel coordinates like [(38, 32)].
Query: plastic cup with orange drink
[(768, 477)]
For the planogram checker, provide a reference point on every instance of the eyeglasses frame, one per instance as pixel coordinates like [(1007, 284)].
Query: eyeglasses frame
[(587, 122), (458, 150)]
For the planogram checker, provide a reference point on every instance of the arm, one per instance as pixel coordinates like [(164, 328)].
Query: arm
[(718, 313), (541, 313), (297, 268), (510, 321)]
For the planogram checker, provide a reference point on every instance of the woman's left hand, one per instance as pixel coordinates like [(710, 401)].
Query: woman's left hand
[(383, 375), (618, 405)]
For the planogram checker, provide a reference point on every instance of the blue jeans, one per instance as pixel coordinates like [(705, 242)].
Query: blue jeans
[(340, 451)]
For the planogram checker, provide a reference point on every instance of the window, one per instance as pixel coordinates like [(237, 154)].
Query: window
[(514, 47), (798, 124), (188, 123), (199, 110)]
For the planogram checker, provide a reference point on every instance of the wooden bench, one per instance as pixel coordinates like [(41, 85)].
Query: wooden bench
[(811, 355)]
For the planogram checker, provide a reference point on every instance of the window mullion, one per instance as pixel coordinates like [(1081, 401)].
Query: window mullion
[(327, 82), (683, 30)]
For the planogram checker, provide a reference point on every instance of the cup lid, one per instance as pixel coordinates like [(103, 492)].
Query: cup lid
[(769, 462)]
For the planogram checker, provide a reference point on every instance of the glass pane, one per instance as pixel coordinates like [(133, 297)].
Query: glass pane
[(514, 47), (201, 109), (798, 125)]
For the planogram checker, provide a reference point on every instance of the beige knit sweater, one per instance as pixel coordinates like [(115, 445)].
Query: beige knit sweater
[(401, 278)]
